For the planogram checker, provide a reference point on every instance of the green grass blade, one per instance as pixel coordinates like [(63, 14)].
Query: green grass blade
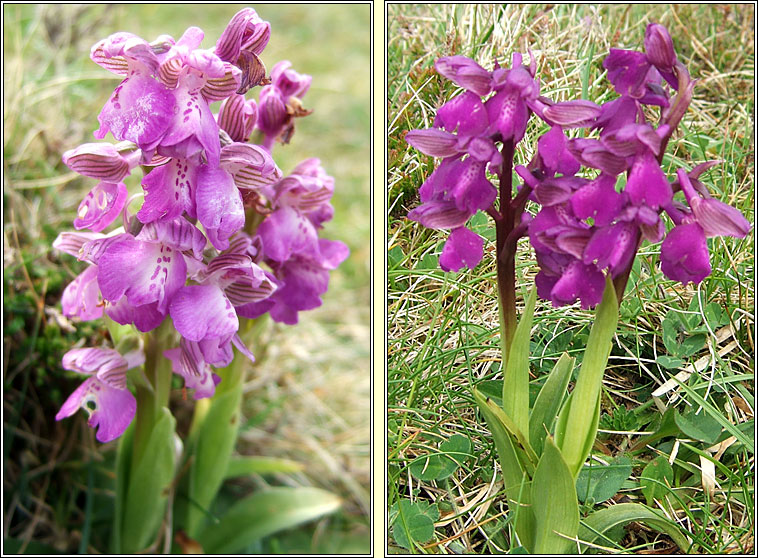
[(263, 514), (516, 379), (549, 401), (554, 502)]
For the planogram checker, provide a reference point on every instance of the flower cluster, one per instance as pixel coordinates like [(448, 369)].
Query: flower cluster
[(599, 197), (221, 233), (587, 226), (465, 133)]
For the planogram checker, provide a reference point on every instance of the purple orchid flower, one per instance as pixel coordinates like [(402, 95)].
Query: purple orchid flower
[(105, 389)]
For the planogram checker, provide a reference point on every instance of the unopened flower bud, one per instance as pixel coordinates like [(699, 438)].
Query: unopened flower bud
[(659, 48)]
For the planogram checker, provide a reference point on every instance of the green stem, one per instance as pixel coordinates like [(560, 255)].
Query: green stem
[(153, 395)]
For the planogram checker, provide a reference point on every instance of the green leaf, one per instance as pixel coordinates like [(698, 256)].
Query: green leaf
[(656, 479), (672, 363), (554, 502), (148, 488), (515, 476), (692, 344), (599, 483), (453, 452), (263, 514), (714, 315), (522, 447), (516, 378), (211, 446), (698, 426), (605, 519), (15, 546), (549, 401), (249, 465), (492, 389), (671, 327), (395, 257), (583, 415), (412, 522)]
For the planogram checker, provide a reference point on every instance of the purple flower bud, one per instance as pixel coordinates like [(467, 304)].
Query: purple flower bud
[(465, 73), (572, 114), (288, 81), (237, 117), (659, 48), (101, 161), (684, 254), (245, 31)]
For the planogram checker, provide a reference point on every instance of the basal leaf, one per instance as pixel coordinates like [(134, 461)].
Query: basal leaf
[(601, 521), (548, 401), (148, 487), (263, 514), (601, 482), (584, 413), (554, 502), (516, 378)]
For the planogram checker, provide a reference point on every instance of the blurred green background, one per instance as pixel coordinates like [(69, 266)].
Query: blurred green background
[(308, 396)]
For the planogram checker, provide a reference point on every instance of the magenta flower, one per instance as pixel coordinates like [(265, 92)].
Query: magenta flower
[(186, 254)]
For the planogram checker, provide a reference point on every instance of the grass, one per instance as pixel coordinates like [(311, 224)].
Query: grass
[(442, 327), (308, 397)]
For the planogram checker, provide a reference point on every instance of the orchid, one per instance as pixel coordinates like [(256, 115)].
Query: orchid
[(586, 203), (220, 236)]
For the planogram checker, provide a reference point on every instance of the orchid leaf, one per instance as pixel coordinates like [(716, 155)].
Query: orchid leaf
[(263, 514), (516, 378), (549, 401), (258, 465), (211, 446), (605, 519), (699, 427), (579, 435), (554, 502), (148, 488), (521, 445), (515, 476)]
